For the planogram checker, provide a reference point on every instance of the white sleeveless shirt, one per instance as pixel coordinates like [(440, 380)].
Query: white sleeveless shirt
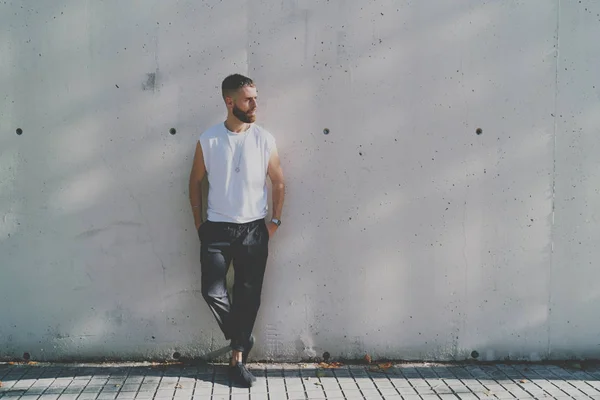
[(236, 166)]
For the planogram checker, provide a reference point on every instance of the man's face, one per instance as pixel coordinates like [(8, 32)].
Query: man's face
[(244, 104)]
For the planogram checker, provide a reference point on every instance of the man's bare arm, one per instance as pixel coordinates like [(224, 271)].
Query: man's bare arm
[(196, 176), (277, 183)]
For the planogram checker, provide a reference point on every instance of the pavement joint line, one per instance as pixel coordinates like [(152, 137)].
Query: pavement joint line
[(22, 374), (281, 375), (361, 390), (534, 373), (84, 387), (48, 387), (158, 386), (321, 385), (518, 383), (413, 387), (453, 376), (536, 384), (338, 382), (267, 381), (212, 382), (478, 380), (584, 381), (195, 383), (304, 383), (33, 380), (532, 381), (375, 384), (120, 387), (285, 379), (4, 373), (575, 387), (433, 388)]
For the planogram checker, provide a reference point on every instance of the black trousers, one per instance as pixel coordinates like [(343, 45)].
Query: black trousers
[(247, 245)]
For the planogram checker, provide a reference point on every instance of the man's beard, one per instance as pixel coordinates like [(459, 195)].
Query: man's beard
[(242, 116)]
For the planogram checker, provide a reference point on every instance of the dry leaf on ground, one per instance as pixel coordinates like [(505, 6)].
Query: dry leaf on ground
[(368, 359), (381, 367), (178, 386), (330, 365), (0, 383), (523, 381)]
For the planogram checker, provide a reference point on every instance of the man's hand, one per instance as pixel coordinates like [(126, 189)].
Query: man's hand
[(271, 227)]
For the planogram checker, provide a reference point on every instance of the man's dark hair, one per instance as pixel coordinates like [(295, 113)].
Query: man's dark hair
[(232, 83)]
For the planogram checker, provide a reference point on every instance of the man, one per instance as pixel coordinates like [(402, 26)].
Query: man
[(237, 156)]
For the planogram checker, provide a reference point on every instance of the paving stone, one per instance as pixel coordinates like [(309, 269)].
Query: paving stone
[(296, 396), (87, 396), (386, 392), (254, 397), (124, 395)]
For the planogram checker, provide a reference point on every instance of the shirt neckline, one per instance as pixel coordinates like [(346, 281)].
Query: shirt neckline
[(234, 134)]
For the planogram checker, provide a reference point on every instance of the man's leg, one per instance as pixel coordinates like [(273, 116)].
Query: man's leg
[(215, 257), (249, 263)]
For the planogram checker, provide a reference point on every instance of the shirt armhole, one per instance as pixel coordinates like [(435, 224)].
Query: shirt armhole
[(271, 145), (205, 155)]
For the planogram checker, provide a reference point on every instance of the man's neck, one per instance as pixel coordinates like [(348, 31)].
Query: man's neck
[(235, 125)]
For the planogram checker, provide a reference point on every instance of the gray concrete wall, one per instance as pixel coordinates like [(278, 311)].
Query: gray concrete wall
[(406, 235)]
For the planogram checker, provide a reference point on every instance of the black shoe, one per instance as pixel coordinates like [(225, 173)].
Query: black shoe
[(248, 350), (240, 375)]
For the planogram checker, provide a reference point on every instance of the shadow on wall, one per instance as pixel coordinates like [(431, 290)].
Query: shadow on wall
[(422, 239), (100, 188)]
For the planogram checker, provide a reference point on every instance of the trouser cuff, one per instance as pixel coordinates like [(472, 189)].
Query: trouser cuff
[(237, 346)]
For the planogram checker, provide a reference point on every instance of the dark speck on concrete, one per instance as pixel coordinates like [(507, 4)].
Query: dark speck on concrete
[(150, 81)]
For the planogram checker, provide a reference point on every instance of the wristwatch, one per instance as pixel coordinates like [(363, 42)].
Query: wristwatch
[(276, 221)]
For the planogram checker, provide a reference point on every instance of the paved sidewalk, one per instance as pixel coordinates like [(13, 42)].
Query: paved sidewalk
[(425, 381)]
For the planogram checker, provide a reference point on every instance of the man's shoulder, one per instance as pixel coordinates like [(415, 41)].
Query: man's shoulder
[(263, 132), (213, 131)]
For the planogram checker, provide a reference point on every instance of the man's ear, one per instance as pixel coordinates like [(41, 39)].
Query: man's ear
[(229, 101)]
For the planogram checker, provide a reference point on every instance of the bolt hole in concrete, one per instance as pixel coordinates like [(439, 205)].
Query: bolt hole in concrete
[(26, 356), (176, 355), (19, 131), (479, 131), (326, 131), (474, 354), (326, 356), (172, 131)]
